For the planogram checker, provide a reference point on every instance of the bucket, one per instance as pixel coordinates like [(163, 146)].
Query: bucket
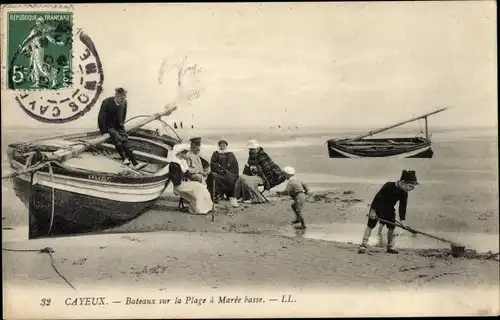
[(457, 250)]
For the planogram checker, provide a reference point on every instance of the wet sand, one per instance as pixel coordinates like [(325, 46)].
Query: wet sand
[(349, 202), (245, 247), (209, 259), (160, 264)]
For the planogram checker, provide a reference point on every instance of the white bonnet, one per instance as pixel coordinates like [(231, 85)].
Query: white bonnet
[(289, 170), (253, 144)]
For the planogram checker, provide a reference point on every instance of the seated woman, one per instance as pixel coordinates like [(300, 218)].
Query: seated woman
[(259, 170), (224, 172), (194, 192)]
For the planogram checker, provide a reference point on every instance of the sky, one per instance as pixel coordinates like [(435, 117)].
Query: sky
[(350, 64)]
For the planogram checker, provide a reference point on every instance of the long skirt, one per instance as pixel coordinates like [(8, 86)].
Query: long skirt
[(247, 189), (196, 195), (224, 184)]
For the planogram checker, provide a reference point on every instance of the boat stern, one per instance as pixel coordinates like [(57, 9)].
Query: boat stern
[(425, 154), (333, 151)]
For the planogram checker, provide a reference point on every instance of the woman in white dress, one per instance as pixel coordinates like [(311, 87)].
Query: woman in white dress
[(193, 192)]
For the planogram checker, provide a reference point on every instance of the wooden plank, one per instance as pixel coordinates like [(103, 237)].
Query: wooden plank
[(150, 157)]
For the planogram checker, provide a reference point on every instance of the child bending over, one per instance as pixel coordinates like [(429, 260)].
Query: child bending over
[(383, 207)]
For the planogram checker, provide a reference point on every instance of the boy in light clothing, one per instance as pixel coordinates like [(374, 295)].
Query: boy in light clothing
[(298, 191)]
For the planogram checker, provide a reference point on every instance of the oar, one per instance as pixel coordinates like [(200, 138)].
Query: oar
[(67, 153)]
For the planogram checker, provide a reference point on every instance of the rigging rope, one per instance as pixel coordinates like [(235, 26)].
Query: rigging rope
[(33, 169), (28, 170), (165, 125), (28, 161), (49, 251), (51, 172)]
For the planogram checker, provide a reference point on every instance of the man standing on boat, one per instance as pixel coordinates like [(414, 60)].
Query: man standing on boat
[(198, 167), (111, 120)]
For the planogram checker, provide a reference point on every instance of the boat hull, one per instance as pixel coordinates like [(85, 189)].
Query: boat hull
[(381, 148), (77, 211), (65, 201)]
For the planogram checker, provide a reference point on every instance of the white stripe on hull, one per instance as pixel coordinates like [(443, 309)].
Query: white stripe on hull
[(96, 183), (401, 155), (112, 191), (137, 194)]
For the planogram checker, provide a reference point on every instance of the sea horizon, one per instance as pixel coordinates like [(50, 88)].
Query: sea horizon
[(256, 127)]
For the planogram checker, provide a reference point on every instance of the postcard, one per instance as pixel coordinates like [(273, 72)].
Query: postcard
[(248, 160)]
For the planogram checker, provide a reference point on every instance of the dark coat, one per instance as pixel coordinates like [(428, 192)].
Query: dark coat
[(224, 164), (385, 200), (224, 173), (270, 173), (111, 116), (176, 175)]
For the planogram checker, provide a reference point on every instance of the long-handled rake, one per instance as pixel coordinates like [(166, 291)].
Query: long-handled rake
[(457, 250)]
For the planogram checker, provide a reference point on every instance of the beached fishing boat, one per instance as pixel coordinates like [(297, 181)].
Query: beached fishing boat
[(359, 147), (82, 185)]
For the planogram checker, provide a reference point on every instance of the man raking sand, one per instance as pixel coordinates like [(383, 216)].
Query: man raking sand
[(383, 207)]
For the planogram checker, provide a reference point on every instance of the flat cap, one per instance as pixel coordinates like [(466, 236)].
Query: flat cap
[(195, 140), (120, 91)]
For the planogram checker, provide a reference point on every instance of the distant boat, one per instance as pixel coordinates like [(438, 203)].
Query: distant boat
[(181, 125), (358, 147), (175, 125)]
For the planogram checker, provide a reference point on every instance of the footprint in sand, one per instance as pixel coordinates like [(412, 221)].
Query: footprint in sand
[(80, 262), (133, 239)]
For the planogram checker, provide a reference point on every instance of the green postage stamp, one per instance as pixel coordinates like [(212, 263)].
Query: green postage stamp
[(39, 50)]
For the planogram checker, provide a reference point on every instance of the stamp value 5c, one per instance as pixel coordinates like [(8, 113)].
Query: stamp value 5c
[(40, 50), (54, 71)]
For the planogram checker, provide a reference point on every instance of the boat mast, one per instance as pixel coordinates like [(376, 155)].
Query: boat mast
[(426, 129), (66, 153), (424, 116)]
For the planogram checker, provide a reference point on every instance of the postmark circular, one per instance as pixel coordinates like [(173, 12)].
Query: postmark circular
[(186, 76), (55, 86)]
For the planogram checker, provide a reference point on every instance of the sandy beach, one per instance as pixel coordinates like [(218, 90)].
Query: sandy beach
[(292, 77), (254, 249)]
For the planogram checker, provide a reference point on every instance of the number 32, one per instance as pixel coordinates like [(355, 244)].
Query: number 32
[(45, 302)]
